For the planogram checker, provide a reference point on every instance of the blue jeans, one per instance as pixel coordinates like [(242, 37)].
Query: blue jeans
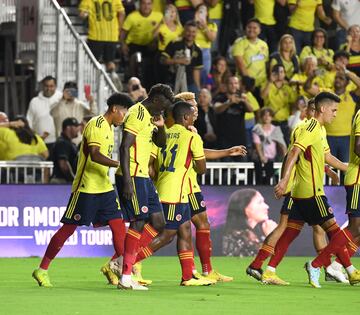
[(215, 44), (206, 55), (339, 147), (301, 38), (340, 38)]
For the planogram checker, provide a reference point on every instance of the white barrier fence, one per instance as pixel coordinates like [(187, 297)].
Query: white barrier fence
[(218, 173)]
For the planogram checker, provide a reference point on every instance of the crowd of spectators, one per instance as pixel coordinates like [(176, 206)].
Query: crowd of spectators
[(252, 64)]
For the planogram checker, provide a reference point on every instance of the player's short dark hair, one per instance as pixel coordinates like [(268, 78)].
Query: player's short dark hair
[(161, 89), (253, 20), (180, 109), (48, 78), (70, 85), (120, 99), (190, 23), (311, 101), (324, 97), (341, 53)]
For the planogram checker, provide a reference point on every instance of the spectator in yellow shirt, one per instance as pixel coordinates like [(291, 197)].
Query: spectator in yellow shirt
[(215, 16), (302, 20), (251, 54), (137, 41)]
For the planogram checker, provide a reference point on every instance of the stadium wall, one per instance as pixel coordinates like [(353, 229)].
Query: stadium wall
[(30, 215)]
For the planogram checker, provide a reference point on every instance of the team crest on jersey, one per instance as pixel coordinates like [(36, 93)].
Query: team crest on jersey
[(144, 209), (178, 217), (202, 203), (77, 217), (331, 211)]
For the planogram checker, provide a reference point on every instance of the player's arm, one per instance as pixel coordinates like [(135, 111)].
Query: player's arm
[(127, 142), (335, 163), (66, 169), (333, 175), (240, 65), (124, 46), (339, 19), (290, 161), (200, 166), (159, 136), (99, 158), (355, 79), (322, 16), (152, 169), (357, 146), (239, 150)]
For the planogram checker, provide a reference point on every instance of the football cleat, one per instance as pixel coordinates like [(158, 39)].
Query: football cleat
[(42, 278), (354, 277), (195, 282), (217, 277), (132, 285), (136, 274), (116, 266), (198, 275), (255, 273), (109, 274), (335, 273), (313, 274), (270, 277)]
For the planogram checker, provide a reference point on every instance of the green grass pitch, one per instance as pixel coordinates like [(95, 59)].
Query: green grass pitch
[(79, 289)]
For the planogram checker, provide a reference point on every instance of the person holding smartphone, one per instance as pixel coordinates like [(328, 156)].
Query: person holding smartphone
[(71, 106)]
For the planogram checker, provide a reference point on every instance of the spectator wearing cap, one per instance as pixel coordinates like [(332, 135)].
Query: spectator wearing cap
[(65, 153), (71, 106)]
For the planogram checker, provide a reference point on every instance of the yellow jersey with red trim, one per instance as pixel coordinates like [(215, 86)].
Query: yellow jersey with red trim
[(174, 161), (138, 122), (141, 28), (103, 19), (91, 177), (352, 175), (308, 181)]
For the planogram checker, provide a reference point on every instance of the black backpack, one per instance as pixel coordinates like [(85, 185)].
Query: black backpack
[(276, 55)]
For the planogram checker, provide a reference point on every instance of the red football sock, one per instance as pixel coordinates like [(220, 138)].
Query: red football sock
[(186, 261), (264, 252), (292, 230), (118, 230), (145, 252), (132, 244), (56, 243), (116, 255), (351, 248), (193, 267), (147, 235), (336, 246), (203, 246)]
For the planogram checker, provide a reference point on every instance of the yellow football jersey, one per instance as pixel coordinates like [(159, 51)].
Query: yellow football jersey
[(216, 12), (301, 78), (167, 36), (352, 175), (201, 40), (310, 166), (138, 122), (11, 147), (254, 104), (103, 19), (280, 100), (91, 177), (327, 54), (255, 56), (141, 28), (288, 65), (183, 3), (264, 11), (304, 16), (174, 163)]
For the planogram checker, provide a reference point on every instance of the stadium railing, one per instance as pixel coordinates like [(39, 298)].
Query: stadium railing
[(7, 11), (63, 53), (21, 172)]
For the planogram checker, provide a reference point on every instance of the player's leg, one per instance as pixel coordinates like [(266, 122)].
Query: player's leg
[(267, 249)]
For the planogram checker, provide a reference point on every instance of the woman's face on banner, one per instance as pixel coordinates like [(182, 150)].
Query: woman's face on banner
[(257, 210)]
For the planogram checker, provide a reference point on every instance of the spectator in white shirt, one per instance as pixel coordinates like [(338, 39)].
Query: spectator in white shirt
[(38, 113)]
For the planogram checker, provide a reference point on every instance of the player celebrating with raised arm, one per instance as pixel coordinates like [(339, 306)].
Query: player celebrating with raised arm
[(93, 199), (309, 201), (143, 126)]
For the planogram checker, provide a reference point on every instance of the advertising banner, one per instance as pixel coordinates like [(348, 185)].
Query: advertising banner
[(30, 215)]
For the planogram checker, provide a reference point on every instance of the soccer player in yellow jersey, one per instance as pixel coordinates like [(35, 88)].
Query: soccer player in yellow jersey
[(333, 272), (143, 126), (105, 21), (197, 204), (93, 199), (309, 201), (172, 164)]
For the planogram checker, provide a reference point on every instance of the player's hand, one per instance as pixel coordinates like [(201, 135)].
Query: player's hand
[(128, 190), (279, 189), (328, 20), (192, 129), (125, 49), (238, 150), (268, 226), (17, 124), (335, 180), (158, 121)]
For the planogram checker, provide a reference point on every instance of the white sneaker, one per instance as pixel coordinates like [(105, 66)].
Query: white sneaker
[(132, 285), (335, 271), (116, 266)]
